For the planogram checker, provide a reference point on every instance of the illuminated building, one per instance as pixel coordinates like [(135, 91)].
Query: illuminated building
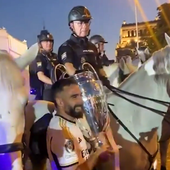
[(128, 36)]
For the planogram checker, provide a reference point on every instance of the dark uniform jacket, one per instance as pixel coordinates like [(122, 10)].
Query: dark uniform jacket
[(77, 51)]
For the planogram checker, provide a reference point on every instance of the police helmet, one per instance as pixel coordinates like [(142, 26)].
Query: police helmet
[(79, 13), (96, 39), (45, 36)]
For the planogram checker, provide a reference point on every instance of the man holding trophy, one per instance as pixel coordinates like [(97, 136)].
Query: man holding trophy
[(78, 98)]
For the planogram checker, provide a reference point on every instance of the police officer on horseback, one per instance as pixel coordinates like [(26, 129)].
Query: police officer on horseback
[(78, 49), (99, 42), (44, 64)]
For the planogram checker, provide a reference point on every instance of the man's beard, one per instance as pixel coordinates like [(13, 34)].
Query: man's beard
[(76, 114)]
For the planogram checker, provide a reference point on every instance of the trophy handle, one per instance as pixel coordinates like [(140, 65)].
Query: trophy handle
[(63, 72), (88, 67)]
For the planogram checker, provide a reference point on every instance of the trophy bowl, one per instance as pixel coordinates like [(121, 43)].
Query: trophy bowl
[(95, 104)]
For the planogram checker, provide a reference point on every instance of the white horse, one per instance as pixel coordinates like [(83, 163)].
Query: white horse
[(151, 80), (117, 72), (14, 97)]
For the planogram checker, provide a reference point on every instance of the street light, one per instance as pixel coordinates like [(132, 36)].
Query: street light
[(136, 20)]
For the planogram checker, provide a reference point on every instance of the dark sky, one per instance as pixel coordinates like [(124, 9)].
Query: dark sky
[(24, 18)]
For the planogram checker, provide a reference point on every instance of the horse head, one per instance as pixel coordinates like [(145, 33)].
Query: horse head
[(29, 56), (161, 65), (141, 116)]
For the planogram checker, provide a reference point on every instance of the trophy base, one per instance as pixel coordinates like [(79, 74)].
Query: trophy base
[(96, 143)]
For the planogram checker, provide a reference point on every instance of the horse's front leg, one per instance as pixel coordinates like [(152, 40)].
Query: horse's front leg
[(165, 137)]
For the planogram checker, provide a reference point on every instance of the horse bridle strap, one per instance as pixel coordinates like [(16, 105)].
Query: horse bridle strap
[(13, 147), (151, 158), (139, 96)]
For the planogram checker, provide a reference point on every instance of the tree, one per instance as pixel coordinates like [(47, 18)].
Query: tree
[(150, 41), (156, 39), (163, 24), (131, 44)]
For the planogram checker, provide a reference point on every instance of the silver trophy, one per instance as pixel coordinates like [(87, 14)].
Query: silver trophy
[(95, 105)]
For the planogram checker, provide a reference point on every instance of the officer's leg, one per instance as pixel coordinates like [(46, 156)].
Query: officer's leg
[(39, 95), (111, 62), (38, 162), (47, 95)]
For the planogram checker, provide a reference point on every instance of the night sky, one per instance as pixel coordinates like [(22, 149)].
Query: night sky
[(24, 18)]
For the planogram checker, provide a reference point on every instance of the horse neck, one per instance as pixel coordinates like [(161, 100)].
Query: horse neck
[(143, 83), (110, 69), (26, 76), (144, 75), (137, 118)]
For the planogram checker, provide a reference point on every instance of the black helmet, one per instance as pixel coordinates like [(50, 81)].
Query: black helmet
[(45, 36), (79, 13), (96, 39)]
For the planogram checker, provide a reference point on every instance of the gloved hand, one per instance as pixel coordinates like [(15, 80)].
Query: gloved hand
[(105, 81)]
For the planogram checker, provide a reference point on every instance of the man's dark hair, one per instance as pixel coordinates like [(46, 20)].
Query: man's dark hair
[(59, 85)]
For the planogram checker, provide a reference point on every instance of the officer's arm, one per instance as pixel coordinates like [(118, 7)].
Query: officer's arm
[(101, 70), (40, 72), (99, 65), (65, 54)]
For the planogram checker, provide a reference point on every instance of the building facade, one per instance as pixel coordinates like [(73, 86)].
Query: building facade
[(128, 32), (11, 44), (128, 36)]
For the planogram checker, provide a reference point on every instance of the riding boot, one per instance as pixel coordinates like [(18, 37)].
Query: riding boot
[(111, 62), (163, 168)]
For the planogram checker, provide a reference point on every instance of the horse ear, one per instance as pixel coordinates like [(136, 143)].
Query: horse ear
[(123, 66), (121, 63), (167, 38), (27, 58), (136, 49), (129, 60), (146, 51)]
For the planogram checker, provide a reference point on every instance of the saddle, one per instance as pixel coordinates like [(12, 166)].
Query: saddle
[(38, 136)]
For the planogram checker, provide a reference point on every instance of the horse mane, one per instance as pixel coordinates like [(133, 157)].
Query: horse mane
[(162, 66), (10, 76)]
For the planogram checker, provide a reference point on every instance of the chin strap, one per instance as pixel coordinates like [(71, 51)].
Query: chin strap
[(78, 36)]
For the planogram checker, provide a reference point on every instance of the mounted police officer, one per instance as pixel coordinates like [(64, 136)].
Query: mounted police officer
[(78, 49), (99, 42), (44, 63)]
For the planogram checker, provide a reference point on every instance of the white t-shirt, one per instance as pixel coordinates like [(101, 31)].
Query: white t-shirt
[(65, 142)]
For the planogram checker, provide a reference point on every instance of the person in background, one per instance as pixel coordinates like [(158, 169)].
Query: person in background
[(99, 42), (41, 68)]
